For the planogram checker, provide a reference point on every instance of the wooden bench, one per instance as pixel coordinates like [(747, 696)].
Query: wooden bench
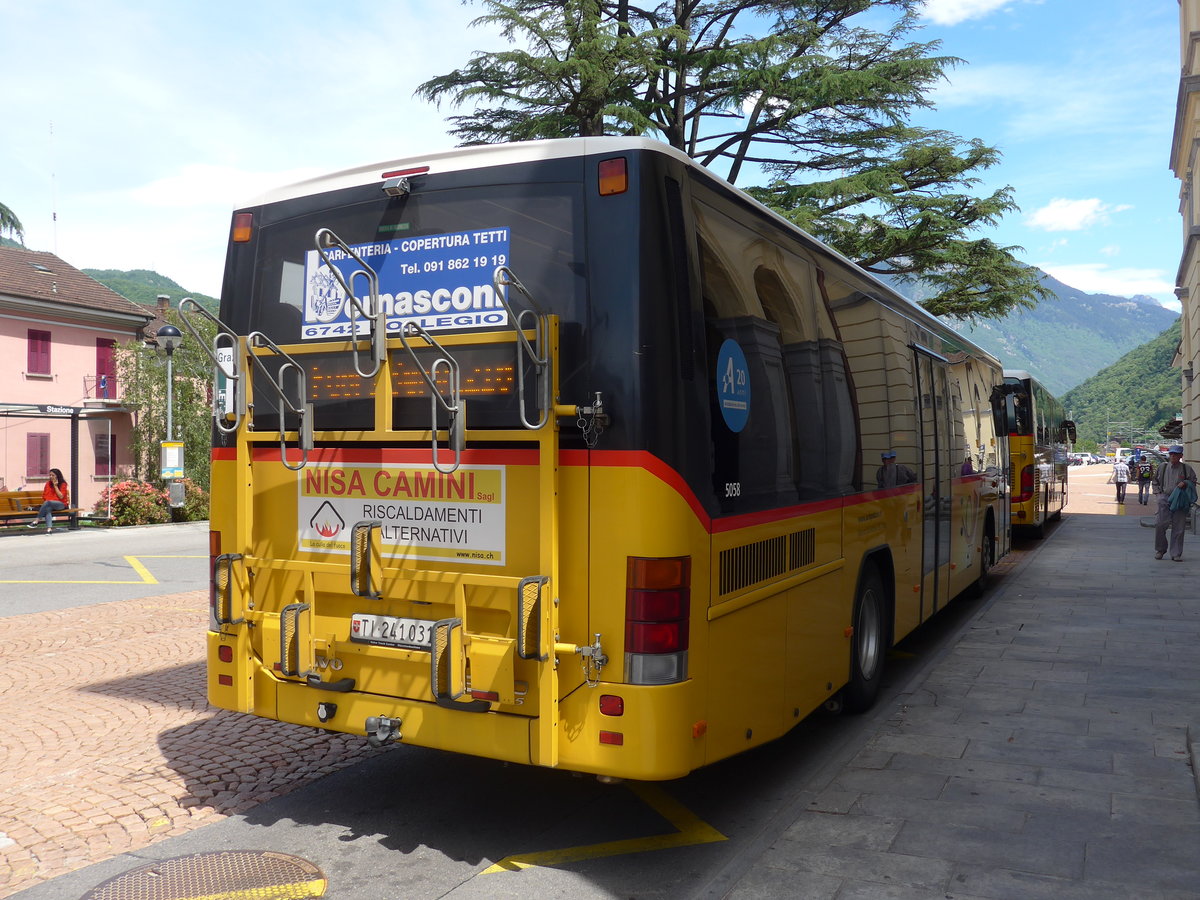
[(21, 507)]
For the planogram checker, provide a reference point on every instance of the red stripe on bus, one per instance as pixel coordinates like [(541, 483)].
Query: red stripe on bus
[(625, 459)]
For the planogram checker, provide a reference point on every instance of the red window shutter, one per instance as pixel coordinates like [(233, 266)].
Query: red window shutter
[(37, 455), (39, 352)]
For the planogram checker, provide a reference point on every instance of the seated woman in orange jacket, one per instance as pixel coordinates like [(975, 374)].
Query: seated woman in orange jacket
[(56, 495)]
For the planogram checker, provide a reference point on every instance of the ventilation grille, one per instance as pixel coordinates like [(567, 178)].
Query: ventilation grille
[(766, 559)]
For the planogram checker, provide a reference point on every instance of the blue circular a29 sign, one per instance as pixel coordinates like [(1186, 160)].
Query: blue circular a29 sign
[(733, 385)]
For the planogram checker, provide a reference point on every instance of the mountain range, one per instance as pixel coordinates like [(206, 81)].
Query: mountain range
[(1065, 340)]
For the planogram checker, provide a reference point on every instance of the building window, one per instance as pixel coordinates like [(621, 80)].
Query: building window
[(37, 455), (106, 455), (106, 373), (39, 353)]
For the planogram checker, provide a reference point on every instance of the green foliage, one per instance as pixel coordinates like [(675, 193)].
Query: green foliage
[(142, 373), (143, 286), (133, 503), (10, 224), (195, 503), (1140, 391), (800, 90)]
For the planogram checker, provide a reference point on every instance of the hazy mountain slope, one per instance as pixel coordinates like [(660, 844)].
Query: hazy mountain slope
[(1140, 388), (1069, 338)]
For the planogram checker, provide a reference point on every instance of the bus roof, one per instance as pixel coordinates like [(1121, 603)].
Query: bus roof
[(478, 156)]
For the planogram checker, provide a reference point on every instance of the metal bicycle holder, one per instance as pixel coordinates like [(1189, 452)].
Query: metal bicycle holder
[(325, 240), (537, 353)]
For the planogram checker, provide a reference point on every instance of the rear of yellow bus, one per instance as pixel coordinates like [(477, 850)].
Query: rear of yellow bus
[(430, 437)]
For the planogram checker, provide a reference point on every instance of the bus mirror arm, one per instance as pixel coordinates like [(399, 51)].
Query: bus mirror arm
[(189, 307)]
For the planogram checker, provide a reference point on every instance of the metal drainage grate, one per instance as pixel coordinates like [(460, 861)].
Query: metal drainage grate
[(229, 874)]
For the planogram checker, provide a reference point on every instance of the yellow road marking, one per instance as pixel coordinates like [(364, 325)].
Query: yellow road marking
[(691, 830), (134, 563), (312, 888)]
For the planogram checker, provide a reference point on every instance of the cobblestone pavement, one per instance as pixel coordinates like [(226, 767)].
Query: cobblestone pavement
[(107, 743)]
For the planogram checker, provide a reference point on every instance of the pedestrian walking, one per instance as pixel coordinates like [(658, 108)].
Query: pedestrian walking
[(1120, 477), (1145, 479), (1175, 485)]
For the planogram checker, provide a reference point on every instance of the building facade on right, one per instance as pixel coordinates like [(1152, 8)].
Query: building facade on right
[(1185, 162)]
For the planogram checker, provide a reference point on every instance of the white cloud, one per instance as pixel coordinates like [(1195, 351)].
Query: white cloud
[(1099, 278), (1061, 214), (1110, 250), (952, 12)]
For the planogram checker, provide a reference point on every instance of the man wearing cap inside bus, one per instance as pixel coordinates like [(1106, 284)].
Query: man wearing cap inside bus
[(891, 473), (1175, 484)]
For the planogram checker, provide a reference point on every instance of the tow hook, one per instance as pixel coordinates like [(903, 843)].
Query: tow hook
[(381, 730)]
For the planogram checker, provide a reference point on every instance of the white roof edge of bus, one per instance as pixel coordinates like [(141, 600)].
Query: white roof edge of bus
[(459, 158), (1018, 373)]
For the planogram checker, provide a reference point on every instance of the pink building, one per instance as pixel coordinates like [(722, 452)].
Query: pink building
[(60, 403)]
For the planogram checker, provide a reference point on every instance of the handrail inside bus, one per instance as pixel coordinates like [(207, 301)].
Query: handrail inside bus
[(326, 239), (236, 385), (538, 355), (303, 409)]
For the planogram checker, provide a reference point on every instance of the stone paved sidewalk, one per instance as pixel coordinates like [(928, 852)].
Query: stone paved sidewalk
[(107, 743)]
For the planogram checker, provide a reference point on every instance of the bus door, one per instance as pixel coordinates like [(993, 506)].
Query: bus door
[(935, 477)]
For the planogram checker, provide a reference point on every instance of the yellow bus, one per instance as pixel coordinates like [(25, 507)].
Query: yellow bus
[(1039, 438), (565, 453)]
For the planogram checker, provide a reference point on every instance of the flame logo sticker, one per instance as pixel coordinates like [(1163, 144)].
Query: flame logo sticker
[(326, 521)]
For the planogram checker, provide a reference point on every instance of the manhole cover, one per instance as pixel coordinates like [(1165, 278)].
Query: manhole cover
[(227, 875)]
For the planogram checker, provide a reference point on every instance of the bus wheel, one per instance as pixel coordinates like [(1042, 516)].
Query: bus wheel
[(987, 559), (867, 648)]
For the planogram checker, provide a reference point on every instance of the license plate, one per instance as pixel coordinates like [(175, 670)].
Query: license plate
[(391, 631)]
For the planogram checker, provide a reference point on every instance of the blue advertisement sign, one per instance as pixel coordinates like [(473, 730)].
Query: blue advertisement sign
[(733, 385), (443, 282)]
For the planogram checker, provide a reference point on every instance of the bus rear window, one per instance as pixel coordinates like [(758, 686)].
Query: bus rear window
[(434, 254)]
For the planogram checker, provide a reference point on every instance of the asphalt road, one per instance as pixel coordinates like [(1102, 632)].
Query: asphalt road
[(41, 572)]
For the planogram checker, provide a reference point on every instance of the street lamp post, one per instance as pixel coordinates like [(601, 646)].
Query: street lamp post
[(169, 338)]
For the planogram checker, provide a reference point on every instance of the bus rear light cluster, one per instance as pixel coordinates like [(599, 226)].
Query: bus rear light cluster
[(1026, 485), (657, 609)]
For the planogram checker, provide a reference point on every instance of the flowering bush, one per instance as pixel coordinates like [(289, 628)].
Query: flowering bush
[(133, 503), (195, 502)]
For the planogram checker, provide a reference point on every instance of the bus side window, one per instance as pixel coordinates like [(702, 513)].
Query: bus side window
[(754, 467)]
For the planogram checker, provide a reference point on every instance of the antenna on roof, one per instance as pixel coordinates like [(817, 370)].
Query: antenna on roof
[(53, 196)]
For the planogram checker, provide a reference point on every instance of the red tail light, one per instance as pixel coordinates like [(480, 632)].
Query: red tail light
[(657, 608), (1026, 485)]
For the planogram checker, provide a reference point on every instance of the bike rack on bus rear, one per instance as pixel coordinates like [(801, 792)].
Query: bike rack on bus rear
[(324, 240)]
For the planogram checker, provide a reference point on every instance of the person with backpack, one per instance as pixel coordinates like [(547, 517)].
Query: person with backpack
[(1175, 485)]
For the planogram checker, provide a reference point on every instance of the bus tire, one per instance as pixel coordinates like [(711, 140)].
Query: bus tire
[(868, 643), (987, 559)]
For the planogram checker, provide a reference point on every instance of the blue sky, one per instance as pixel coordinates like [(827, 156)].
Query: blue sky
[(142, 123)]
